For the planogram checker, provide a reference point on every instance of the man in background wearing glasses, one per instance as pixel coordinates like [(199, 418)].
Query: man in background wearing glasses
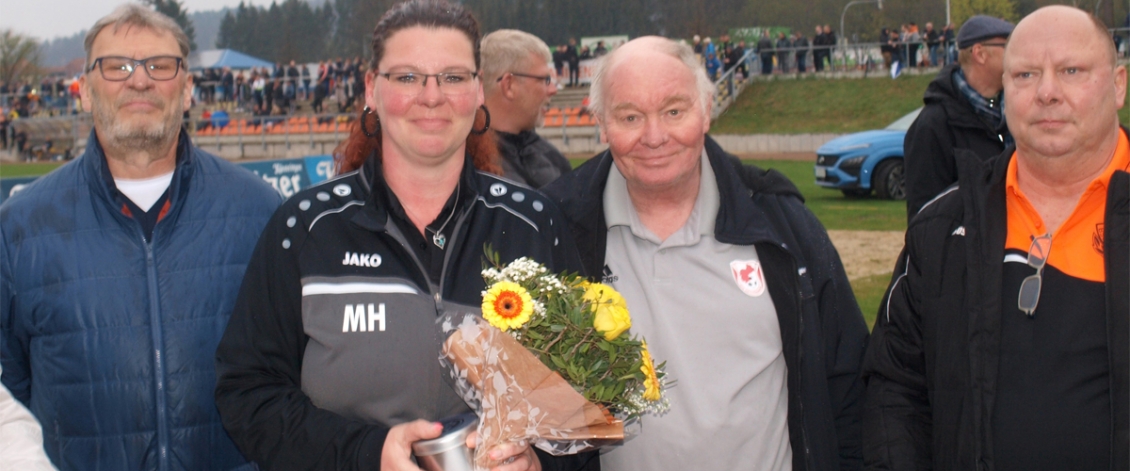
[(963, 110), (120, 269), (518, 84), (1004, 342)]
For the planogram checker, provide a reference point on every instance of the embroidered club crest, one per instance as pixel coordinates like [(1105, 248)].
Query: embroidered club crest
[(1097, 238), (749, 276)]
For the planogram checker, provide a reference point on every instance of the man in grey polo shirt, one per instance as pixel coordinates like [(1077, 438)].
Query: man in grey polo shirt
[(729, 277)]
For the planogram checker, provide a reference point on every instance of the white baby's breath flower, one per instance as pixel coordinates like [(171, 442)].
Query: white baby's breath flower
[(539, 309), (522, 271), (492, 275)]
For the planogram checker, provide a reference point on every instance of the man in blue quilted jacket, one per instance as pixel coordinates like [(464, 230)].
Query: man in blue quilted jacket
[(118, 271)]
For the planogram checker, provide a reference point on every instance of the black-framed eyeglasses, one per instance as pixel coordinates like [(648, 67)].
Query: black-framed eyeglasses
[(1030, 288), (548, 79), (120, 69), (450, 83)]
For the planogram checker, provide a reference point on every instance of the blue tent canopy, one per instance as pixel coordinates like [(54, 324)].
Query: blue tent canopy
[(217, 58)]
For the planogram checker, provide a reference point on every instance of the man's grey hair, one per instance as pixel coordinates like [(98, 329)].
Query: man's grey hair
[(134, 15), (507, 49), (679, 51)]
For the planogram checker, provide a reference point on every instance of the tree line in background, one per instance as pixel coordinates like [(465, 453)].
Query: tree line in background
[(292, 30), (297, 30)]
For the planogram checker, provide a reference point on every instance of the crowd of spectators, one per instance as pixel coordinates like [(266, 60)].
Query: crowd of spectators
[(905, 46), (720, 58), (774, 53), (567, 60), (52, 96), (279, 90)]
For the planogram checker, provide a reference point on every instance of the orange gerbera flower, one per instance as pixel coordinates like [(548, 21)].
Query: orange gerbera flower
[(507, 305)]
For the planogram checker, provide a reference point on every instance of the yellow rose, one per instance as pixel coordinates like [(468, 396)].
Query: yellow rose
[(610, 310)]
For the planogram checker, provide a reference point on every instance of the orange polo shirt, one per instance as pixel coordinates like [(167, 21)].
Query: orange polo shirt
[(1077, 246), (1051, 407)]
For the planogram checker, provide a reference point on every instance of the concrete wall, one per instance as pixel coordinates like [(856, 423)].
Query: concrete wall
[(572, 140), (772, 143)]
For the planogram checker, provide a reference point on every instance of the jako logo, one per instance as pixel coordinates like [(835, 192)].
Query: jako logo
[(355, 318), (362, 260)]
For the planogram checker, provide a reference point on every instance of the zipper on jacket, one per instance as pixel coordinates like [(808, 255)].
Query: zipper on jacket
[(800, 359), (158, 354), (436, 291), (807, 450), (433, 290), (447, 255)]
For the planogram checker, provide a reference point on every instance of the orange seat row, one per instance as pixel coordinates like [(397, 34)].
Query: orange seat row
[(570, 111), (293, 126), (570, 120)]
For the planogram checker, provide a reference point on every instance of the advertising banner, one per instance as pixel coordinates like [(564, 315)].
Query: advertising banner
[(753, 33), (10, 186), (286, 176)]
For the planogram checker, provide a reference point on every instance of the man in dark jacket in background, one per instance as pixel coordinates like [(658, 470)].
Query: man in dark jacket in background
[(765, 52), (784, 49), (573, 58), (963, 110), (518, 84), (800, 44), (731, 280), (1004, 341), (118, 271)]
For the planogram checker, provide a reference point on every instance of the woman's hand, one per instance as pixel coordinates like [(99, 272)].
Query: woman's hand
[(397, 452), (510, 456)]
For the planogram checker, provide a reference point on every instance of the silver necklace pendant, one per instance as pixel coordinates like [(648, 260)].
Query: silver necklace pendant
[(437, 235)]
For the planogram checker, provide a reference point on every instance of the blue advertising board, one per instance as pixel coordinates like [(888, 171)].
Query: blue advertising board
[(287, 176), (9, 186)]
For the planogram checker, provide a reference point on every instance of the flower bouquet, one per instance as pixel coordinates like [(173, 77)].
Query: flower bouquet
[(550, 361)]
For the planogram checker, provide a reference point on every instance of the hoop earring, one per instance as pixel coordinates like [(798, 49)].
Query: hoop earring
[(486, 125), (366, 112)]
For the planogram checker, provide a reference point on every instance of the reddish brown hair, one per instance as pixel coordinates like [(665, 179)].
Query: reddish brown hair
[(351, 153)]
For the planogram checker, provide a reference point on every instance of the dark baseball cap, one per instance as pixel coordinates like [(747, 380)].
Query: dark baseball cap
[(980, 28)]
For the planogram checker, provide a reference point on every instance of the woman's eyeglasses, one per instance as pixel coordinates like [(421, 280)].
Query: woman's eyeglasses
[(450, 83)]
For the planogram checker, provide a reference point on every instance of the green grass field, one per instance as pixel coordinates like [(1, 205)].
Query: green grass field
[(9, 170), (811, 105), (832, 208), (821, 106)]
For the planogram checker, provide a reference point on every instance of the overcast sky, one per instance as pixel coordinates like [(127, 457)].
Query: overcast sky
[(48, 19)]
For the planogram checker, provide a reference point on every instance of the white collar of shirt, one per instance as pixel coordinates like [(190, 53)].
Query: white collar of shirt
[(619, 211), (144, 193)]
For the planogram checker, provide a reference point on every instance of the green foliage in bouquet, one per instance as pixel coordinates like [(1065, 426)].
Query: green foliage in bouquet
[(578, 329)]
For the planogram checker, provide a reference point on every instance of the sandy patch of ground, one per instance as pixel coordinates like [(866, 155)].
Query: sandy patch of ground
[(867, 253)]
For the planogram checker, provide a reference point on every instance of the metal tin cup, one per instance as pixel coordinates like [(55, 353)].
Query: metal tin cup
[(449, 452)]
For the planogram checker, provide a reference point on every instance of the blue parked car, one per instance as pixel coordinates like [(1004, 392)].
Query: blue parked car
[(871, 160)]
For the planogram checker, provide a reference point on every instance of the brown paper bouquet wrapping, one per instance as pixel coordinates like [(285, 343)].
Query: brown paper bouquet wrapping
[(517, 397)]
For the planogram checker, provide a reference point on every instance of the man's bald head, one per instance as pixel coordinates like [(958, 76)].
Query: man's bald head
[(1062, 86), (1051, 14), (637, 51)]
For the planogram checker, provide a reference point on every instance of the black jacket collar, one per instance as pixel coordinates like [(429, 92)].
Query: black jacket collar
[(375, 215)]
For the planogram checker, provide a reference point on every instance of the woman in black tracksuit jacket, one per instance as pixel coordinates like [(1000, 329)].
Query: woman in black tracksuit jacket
[(331, 356)]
